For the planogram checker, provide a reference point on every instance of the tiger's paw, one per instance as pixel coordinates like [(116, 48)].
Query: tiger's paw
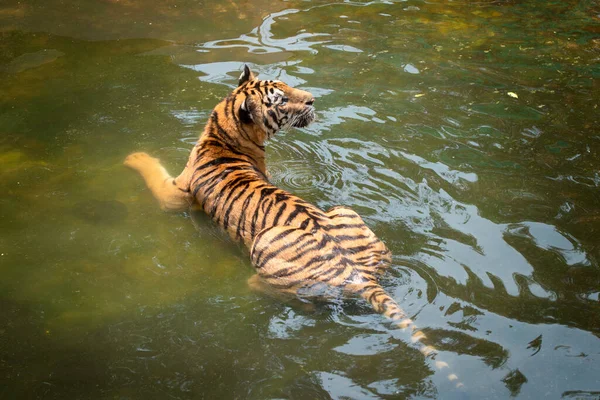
[(140, 161)]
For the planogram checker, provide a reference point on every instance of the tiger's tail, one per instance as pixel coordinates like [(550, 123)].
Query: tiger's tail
[(384, 304)]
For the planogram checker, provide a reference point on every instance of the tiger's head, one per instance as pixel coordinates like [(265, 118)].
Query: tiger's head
[(272, 105)]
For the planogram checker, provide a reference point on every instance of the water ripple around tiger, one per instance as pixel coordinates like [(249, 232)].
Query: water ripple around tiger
[(303, 169)]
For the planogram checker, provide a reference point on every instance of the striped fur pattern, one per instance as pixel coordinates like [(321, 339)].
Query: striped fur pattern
[(295, 247)]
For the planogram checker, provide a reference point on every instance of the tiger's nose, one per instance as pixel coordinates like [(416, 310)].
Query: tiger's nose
[(310, 102)]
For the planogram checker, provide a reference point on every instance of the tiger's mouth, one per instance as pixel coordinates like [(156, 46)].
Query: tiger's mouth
[(304, 118)]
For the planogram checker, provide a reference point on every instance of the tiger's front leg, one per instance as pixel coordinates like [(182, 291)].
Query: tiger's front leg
[(173, 194)]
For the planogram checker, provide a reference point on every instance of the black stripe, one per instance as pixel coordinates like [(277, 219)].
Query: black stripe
[(215, 119), (275, 239), (274, 253), (376, 293), (274, 118), (266, 213), (217, 200), (358, 249), (302, 251), (328, 274), (295, 268), (263, 193), (242, 222), (227, 212), (305, 223), (207, 190), (319, 258), (346, 262), (235, 115), (342, 226), (298, 209), (228, 100), (267, 124), (216, 162), (219, 161), (366, 288), (204, 178), (221, 143), (351, 216), (227, 140), (343, 238), (279, 213), (286, 272)]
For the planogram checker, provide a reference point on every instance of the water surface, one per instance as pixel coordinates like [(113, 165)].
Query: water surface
[(466, 135)]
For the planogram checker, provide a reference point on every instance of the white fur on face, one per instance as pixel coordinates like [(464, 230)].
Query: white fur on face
[(274, 97)]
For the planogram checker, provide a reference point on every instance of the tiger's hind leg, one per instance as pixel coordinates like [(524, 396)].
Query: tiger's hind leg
[(258, 285), (173, 194), (370, 252), (279, 254)]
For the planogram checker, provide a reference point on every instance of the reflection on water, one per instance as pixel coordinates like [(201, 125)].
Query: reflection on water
[(261, 40), (465, 134)]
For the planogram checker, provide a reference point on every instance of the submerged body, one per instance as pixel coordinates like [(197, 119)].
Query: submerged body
[(294, 246)]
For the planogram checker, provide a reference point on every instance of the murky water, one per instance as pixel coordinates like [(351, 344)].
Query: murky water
[(466, 135)]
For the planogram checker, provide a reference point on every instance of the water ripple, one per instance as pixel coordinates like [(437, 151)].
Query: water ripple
[(449, 175), (341, 387), (262, 40), (367, 344), (338, 115), (459, 241), (302, 168), (227, 72)]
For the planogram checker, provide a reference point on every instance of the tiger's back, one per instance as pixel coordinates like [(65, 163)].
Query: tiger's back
[(292, 243)]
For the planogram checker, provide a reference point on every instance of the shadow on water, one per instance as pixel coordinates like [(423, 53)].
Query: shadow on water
[(150, 353), (463, 133)]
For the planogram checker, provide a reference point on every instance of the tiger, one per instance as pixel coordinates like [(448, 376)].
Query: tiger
[(294, 246)]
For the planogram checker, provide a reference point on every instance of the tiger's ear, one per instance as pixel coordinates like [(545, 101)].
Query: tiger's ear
[(245, 113), (246, 76)]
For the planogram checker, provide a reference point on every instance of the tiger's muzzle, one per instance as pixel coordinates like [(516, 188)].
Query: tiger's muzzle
[(305, 117)]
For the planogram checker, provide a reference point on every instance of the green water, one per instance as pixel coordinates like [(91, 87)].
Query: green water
[(465, 133)]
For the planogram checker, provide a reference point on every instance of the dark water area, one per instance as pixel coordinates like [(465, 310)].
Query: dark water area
[(465, 133)]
